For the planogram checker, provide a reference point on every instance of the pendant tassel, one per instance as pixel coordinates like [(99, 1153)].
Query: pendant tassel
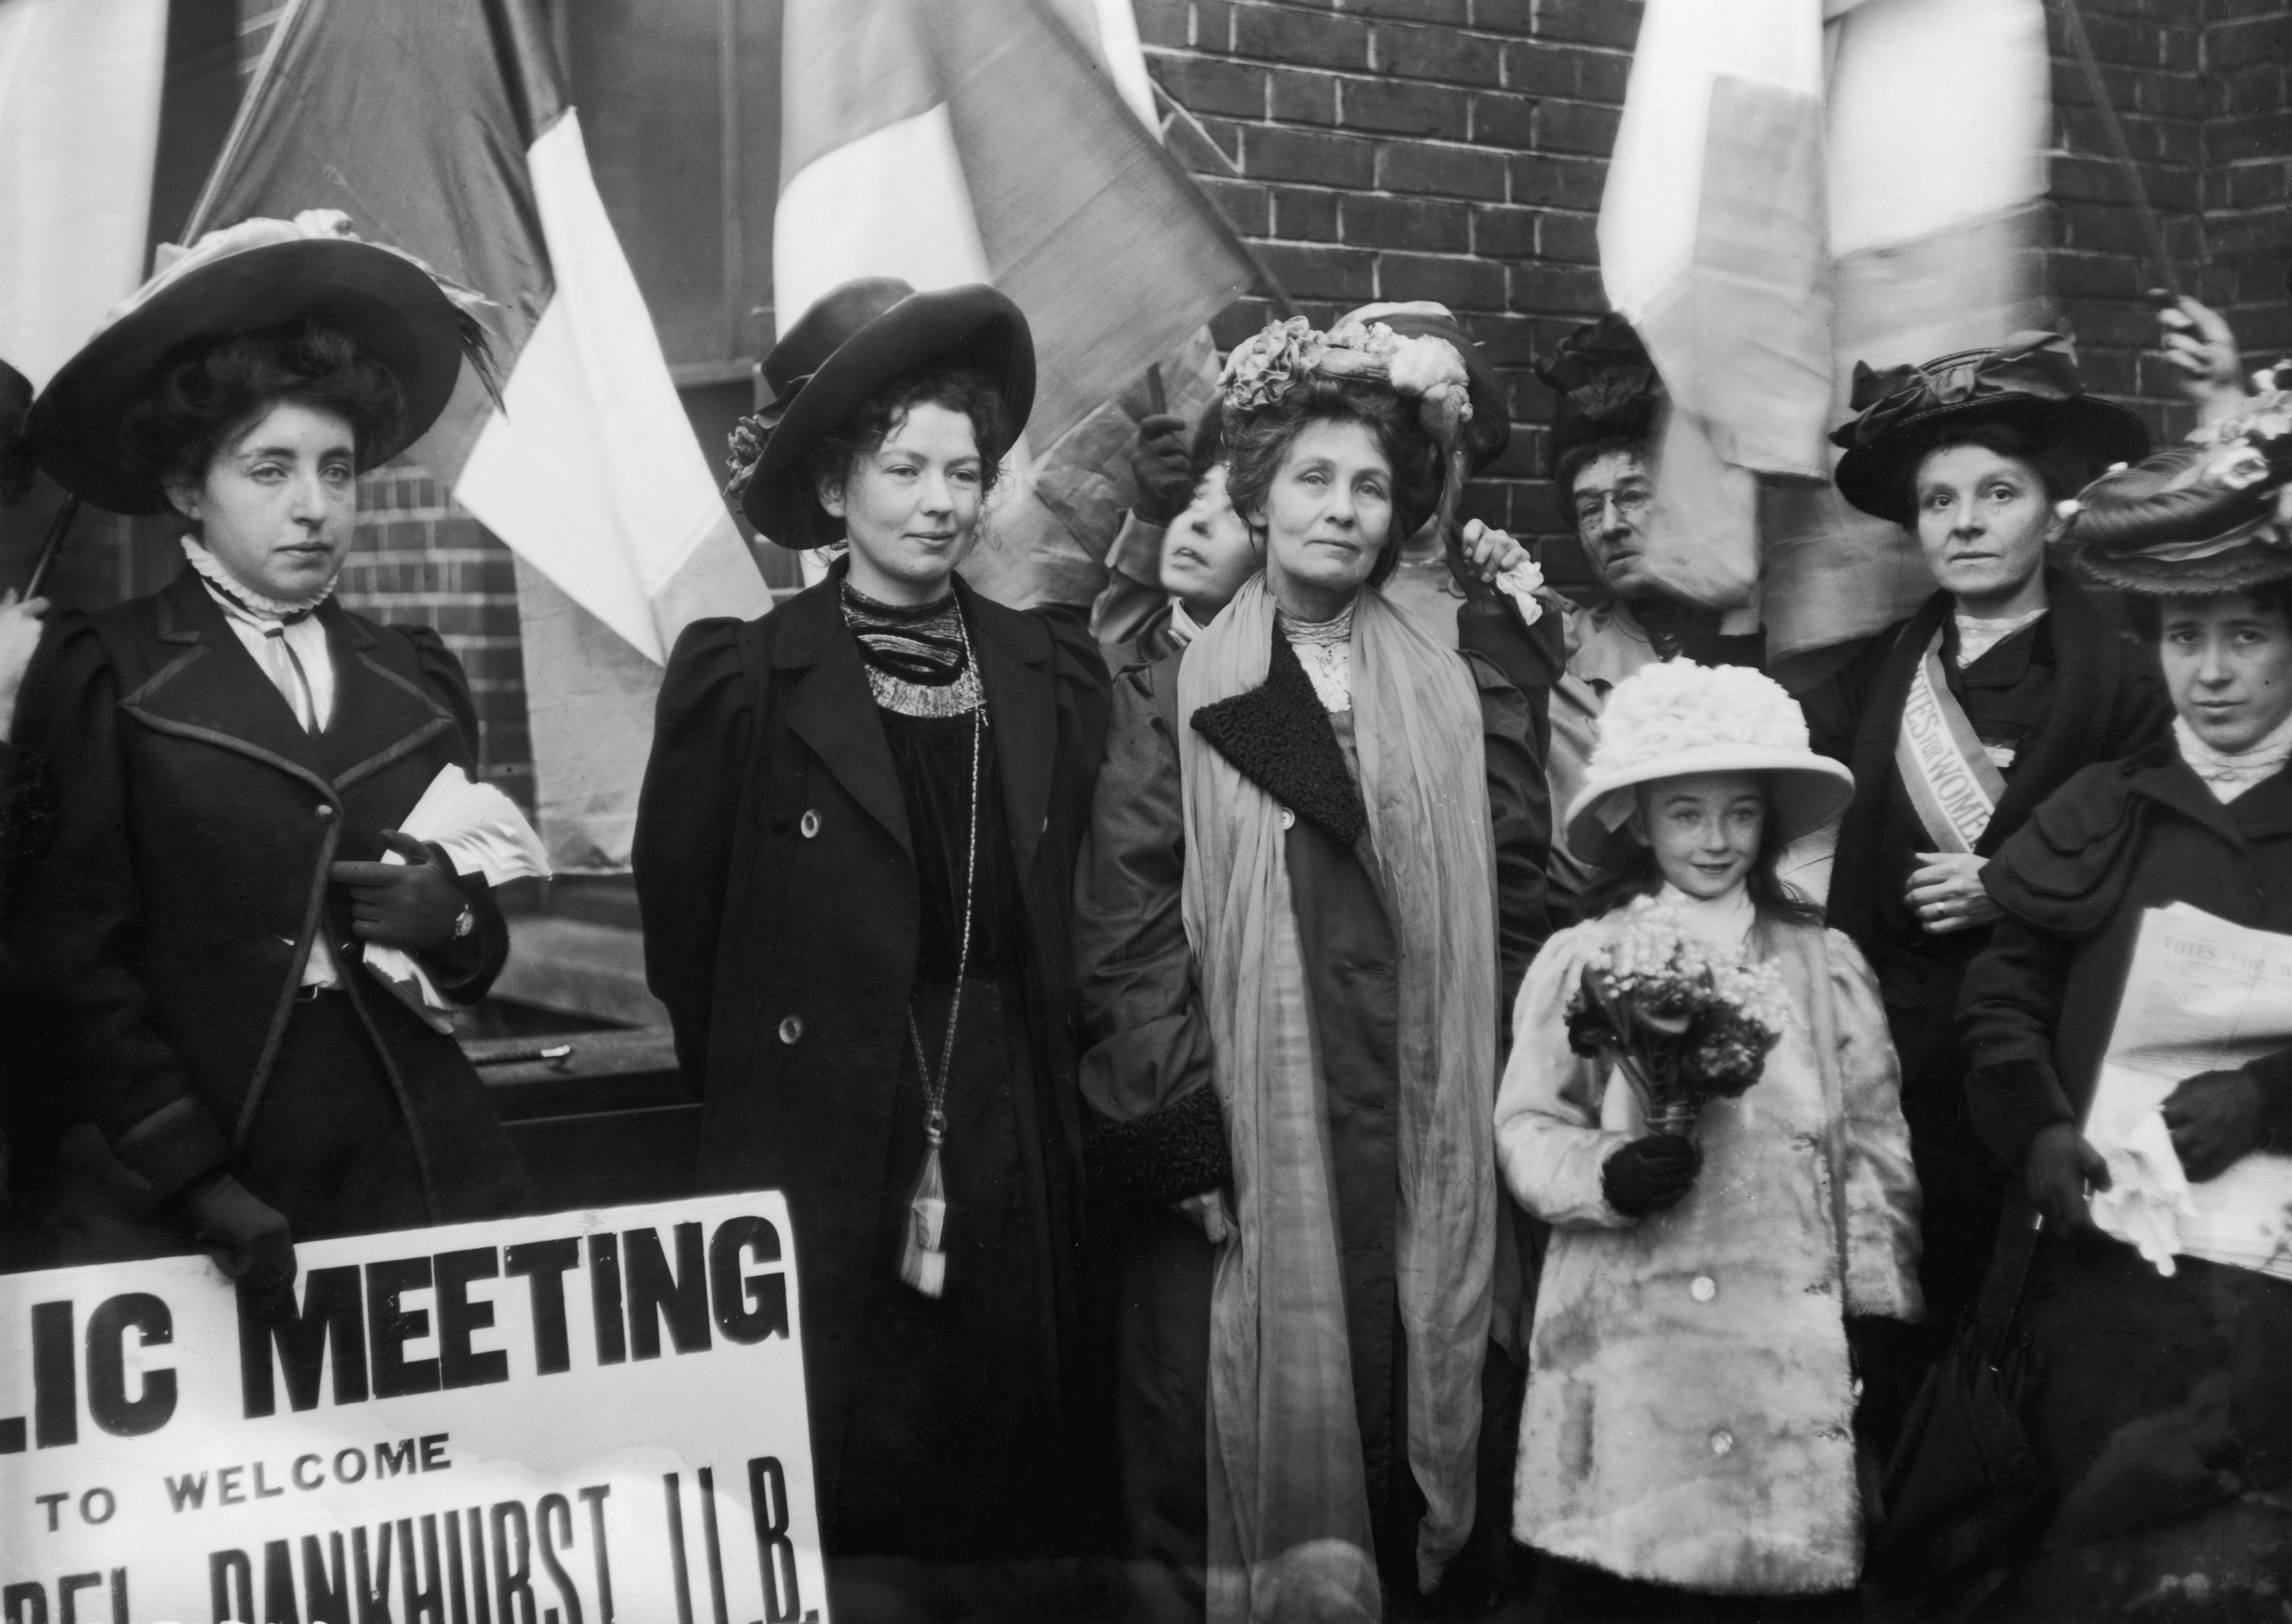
[(923, 1261)]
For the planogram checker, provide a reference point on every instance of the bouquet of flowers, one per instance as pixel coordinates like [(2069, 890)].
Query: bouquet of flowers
[(1682, 1020)]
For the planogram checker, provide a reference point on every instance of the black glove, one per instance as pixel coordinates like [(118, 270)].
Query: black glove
[(2061, 1165), (1166, 483), (2216, 1117), (1648, 1174), (412, 905), (248, 1240)]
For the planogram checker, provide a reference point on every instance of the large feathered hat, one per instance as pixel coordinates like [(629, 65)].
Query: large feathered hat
[(2211, 516), (258, 275)]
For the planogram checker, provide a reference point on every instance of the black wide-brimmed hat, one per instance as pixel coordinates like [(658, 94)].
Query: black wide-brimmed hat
[(2029, 381), (16, 465), (258, 275), (1490, 429), (2195, 519), (855, 341), (1607, 385)]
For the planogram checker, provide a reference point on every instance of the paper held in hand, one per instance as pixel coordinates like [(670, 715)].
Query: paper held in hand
[(2201, 995)]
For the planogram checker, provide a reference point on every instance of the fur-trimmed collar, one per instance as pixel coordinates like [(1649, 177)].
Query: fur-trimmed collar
[(1279, 738)]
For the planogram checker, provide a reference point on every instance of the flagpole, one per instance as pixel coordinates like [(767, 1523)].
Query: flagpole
[(2151, 229)]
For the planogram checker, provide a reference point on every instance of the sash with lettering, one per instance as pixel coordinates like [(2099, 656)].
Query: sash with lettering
[(1953, 783)]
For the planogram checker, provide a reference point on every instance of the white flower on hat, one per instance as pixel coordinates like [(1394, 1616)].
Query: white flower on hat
[(1663, 709)]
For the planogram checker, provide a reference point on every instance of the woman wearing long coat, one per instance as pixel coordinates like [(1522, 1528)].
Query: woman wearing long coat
[(1970, 452), (231, 763), (804, 851), (1333, 1459), (2157, 1396)]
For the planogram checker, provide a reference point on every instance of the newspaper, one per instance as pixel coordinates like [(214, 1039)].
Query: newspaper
[(2201, 995)]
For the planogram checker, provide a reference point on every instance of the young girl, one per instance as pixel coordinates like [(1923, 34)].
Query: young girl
[(1689, 1417)]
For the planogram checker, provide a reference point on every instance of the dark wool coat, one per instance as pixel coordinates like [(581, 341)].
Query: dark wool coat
[(2197, 1357), (1158, 1133), (775, 871), (2063, 694), (186, 883)]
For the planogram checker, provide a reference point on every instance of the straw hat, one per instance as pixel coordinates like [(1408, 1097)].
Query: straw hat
[(856, 340), (1676, 719), (257, 275), (2030, 380)]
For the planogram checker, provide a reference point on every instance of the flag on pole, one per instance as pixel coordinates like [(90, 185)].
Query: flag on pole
[(80, 84), (1711, 243), (442, 127), (1939, 112), (1010, 141), (1798, 184)]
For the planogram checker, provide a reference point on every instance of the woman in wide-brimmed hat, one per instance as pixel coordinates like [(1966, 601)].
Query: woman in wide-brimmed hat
[(1691, 1408), (1959, 721), (1314, 872), (259, 1002), (855, 856), (2154, 1388)]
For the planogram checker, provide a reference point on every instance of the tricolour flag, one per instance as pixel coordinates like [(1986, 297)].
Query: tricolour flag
[(442, 127), (1798, 185), (1010, 141)]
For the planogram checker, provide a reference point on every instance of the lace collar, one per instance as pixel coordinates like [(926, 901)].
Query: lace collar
[(211, 571)]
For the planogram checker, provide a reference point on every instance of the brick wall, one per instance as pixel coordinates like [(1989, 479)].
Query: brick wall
[(2247, 181), (1448, 150)]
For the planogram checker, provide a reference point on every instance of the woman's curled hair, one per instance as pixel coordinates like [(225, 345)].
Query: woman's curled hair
[(1630, 871), (1257, 441), (2061, 467), (213, 389), (867, 425)]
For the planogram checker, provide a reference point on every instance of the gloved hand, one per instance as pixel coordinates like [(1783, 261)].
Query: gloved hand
[(1159, 466), (1649, 1174), (2061, 1165), (2215, 1116), (248, 1240), (411, 906)]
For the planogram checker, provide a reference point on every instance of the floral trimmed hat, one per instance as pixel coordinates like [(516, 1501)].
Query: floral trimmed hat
[(1677, 718), (1428, 370), (2211, 516)]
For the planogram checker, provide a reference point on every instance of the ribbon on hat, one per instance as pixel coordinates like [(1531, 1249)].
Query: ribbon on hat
[(2036, 363)]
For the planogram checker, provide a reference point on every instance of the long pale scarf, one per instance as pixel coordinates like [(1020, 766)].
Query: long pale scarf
[(1290, 1535)]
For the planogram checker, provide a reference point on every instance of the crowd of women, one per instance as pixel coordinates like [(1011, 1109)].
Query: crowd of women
[(1181, 1047)]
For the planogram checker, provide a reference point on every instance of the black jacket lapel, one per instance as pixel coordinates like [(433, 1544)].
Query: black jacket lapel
[(833, 710), (216, 692), (379, 715)]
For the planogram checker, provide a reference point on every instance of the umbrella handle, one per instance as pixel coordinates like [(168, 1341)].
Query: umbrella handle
[(59, 528)]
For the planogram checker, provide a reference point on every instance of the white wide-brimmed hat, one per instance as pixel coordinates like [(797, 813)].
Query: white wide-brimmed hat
[(1677, 719)]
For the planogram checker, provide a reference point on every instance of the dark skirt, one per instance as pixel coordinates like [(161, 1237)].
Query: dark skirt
[(954, 1443)]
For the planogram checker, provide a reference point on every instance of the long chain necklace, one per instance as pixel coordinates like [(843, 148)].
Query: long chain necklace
[(922, 1261)]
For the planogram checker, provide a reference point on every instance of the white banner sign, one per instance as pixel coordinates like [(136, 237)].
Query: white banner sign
[(577, 1419)]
